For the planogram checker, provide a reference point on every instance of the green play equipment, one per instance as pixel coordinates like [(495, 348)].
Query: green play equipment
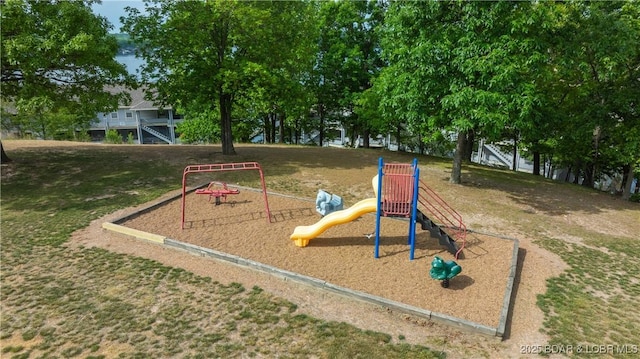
[(444, 270)]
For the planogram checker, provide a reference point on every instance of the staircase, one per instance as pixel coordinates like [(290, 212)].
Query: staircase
[(442, 221), (436, 232), (503, 157), (157, 134), (257, 132)]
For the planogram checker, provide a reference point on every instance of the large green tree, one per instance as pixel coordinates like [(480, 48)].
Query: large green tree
[(58, 61), (347, 61), (460, 67), (212, 54), (280, 98), (596, 87)]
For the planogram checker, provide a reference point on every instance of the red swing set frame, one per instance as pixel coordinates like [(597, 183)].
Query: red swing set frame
[(221, 167)]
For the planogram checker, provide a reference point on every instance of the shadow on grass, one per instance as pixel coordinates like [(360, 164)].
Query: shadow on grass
[(540, 194), (81, 180), (277, 160)]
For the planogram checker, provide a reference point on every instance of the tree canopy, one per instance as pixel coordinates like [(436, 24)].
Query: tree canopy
[(594, 87), (212, 54), (57, 63), (460, 67), (560, 80), (347, 61)]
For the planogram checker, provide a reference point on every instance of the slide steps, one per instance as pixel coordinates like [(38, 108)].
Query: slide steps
[(437, 232)]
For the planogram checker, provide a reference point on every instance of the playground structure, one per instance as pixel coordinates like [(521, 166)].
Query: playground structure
[(228, 233), (399, 193), (217, 193)]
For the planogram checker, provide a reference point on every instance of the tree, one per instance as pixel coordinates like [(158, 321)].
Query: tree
[(597, 62), (213, 53), (282, 94), (461, 67), (58, 58), (348, 60)]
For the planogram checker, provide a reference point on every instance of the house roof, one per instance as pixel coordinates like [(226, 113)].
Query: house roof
[(138, 101)]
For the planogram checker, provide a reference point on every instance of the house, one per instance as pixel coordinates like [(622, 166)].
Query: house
[(140, 119)]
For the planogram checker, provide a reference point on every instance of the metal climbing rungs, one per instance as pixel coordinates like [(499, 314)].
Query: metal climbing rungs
[(222, 167)]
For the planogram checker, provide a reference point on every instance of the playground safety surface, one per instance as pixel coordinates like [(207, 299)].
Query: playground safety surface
[(341, 259)]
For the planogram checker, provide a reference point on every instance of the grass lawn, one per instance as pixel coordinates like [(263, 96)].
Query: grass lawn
[(64, 302), (59, 302)]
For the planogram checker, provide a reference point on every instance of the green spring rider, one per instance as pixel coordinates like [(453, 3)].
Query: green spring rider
[(444, 270)]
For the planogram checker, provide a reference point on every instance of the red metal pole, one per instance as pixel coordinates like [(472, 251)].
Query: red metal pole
[(184, 184), (264, 194)]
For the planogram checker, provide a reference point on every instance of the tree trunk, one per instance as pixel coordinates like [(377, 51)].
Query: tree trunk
[(536, 163), (274, 119), (321, 135), (514, 166), (626, 189), (282, 117), (267, 130), (365, 138), (4, 158), (468, 147), (296, 132), (588, 175), (225, 124), (456, 171), (355, 141)]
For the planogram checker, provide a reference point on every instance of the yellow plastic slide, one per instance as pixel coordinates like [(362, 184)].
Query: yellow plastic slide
[(303, 234)]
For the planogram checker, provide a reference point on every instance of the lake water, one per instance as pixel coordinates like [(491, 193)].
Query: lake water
[(131, 62)]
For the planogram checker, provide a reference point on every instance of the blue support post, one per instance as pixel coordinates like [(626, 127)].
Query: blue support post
[(414, 209), (378, 207)]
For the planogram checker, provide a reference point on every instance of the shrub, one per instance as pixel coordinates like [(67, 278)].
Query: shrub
[(199, 129), (113, 136)]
